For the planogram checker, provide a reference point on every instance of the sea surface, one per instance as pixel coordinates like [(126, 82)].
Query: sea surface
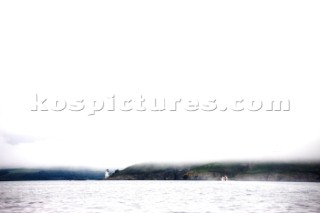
[(158, 196)]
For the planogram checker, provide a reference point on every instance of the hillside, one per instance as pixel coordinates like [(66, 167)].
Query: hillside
[(214, 171), (50, 174)]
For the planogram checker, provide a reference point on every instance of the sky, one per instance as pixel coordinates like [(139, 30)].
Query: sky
[(81, 53)]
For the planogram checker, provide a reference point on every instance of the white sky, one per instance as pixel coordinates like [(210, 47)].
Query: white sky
[(190, 49)]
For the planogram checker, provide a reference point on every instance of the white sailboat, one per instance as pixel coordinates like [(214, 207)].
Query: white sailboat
[(224, 178)]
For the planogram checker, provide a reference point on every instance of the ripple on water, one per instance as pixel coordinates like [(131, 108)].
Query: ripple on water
[(158, 196)]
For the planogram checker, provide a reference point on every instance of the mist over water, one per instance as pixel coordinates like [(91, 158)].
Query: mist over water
[(158, 196)]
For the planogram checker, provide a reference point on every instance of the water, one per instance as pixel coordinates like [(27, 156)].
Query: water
[(158, 196)]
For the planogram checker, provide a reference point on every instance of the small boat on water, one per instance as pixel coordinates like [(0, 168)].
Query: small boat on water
[(224, 178)]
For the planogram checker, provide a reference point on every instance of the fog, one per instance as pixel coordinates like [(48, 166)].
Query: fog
[(72, 51)]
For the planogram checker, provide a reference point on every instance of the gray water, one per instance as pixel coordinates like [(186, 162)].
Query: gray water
[(158, 196)]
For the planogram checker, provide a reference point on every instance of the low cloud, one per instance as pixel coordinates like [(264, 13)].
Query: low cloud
[(15, 139)]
